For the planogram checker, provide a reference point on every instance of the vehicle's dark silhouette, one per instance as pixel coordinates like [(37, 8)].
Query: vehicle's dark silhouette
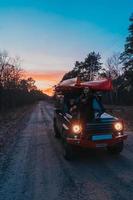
[(80, 118)]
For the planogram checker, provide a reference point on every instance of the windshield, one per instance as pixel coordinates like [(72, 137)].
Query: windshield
[(97, 107)]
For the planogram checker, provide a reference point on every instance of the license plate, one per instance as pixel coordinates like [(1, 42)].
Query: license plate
[(101, 137), (101, 145)]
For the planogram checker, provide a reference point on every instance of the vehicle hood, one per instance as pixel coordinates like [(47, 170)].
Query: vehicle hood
[(107, 117)]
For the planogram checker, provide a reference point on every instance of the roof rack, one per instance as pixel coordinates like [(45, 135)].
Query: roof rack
[(75, 84)]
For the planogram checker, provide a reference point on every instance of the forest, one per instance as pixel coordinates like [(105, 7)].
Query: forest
[(15, 90), (118, 67)]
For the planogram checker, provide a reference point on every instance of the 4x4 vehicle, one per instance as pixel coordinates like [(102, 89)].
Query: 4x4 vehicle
[(80, 118)]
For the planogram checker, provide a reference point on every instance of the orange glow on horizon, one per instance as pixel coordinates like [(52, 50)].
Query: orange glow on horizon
[(49, 91), (46, 75), (45, 80)]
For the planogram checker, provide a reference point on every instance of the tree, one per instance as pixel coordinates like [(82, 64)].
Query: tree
[(86, 70), (10, 71), (91, 66), (114, 71), (4, 61), (31, 84), (14, 89), (114, 66), (127, 57)]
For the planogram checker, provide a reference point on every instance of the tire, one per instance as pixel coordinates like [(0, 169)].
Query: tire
[(68, 152), (56, 132), (116, 149)]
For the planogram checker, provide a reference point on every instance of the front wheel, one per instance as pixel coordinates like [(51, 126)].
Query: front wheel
[(68, 151), (56, 132), (116, 148)]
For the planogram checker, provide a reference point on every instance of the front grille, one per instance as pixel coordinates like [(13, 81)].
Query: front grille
[(99, 128)]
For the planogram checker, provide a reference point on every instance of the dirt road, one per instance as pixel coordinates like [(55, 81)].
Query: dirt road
[(34, 168)]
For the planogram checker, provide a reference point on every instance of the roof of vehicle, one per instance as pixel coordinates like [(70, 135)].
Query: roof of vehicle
[(75, 84)]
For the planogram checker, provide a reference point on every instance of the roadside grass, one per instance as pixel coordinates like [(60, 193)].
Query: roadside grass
[(9, 120)]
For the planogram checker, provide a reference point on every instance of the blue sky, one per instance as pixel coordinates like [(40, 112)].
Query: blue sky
[(53, 34)]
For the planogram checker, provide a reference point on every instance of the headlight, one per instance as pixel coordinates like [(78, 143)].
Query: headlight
[(76, 128), (118, 126)]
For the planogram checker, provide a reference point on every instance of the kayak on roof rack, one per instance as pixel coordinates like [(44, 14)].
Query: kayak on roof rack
[(74, 84), (80, 118)]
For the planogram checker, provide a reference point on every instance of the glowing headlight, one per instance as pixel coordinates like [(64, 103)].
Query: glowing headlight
[(76, 128), (118, 126)]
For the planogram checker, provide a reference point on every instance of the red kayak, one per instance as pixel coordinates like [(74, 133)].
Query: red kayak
[(74, 83)]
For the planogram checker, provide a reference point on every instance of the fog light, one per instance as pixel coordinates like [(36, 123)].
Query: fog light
[(119, 134)]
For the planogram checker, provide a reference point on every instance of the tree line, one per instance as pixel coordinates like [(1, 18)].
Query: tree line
[(15, 90), (118, 67)]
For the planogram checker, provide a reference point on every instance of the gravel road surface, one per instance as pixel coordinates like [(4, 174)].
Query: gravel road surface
[(34, 168)]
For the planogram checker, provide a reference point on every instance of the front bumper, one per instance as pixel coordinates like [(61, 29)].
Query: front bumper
[(83, 142)]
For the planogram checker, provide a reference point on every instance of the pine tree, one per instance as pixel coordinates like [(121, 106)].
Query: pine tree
[(86, 70), (127, 56), (92, 65)]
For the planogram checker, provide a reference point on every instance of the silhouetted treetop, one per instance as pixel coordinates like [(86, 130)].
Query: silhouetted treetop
[(87, 69)]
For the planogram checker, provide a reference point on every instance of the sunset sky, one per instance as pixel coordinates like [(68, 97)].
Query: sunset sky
[(50, 35)]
